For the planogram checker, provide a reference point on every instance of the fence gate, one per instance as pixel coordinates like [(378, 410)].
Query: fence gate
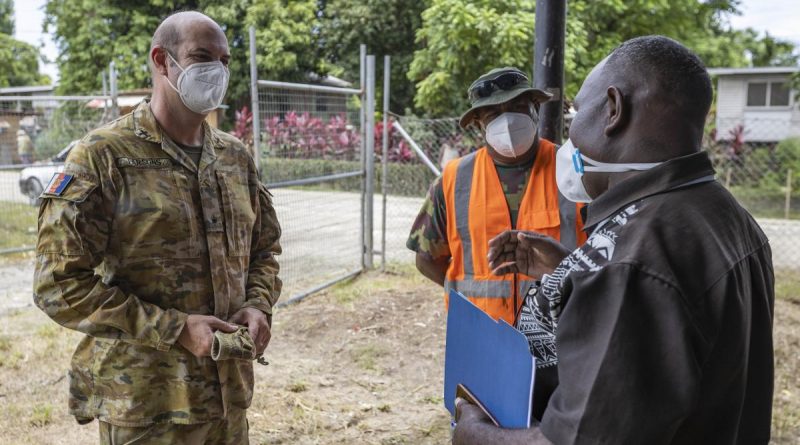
[(315, 146)]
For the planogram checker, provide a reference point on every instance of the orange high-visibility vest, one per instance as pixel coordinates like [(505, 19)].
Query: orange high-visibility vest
[(477, 211)]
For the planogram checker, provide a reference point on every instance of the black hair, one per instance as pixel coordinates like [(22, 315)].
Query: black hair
[(678, 74)]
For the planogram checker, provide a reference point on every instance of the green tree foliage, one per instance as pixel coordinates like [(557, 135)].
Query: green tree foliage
[(294, 39), (20, 60), (438, 46), (7, 17), (461, 39), (388, 27), (769, 51), (92, 33), (20, 65), (287, 40)]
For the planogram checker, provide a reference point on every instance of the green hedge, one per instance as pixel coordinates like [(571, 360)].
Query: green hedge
[(414, 180), (404, 179), (767, 202)]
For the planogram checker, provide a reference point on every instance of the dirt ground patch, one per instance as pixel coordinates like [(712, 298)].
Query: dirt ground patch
[(359, 364)]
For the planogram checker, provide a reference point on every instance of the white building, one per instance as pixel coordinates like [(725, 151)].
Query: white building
[(760, 99)]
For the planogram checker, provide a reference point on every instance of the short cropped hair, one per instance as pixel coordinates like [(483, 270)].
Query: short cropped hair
[(678, 73), (167, 36)]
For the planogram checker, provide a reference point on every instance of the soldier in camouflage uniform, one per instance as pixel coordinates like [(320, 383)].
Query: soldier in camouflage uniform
[(158, 234)]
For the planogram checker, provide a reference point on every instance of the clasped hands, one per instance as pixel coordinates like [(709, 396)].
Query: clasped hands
[(198, 332)]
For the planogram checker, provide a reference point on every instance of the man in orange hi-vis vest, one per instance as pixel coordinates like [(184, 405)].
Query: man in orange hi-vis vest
[(508, 184)]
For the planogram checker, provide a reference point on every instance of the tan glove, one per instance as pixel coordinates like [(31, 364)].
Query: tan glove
[(233, 346)]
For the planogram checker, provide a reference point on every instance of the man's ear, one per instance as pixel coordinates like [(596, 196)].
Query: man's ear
[(617, 111), (158, 57)]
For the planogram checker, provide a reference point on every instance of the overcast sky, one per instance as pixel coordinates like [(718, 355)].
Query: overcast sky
[(780, 18)]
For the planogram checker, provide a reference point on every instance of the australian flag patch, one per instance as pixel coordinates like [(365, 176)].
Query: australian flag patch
[(58, 184)]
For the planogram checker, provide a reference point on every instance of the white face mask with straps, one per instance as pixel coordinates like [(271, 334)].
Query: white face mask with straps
[(511, 134), (571, 165), (201, 86)]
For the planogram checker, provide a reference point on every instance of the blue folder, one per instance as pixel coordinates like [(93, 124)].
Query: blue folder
[(491, 359)]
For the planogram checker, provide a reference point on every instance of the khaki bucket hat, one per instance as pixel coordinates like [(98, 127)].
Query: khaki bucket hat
[(498, 86)]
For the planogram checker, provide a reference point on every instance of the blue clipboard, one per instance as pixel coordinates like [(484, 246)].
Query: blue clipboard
[(492, 360)]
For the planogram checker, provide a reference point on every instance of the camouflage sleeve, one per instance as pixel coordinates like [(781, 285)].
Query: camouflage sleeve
[(263, 284), (74, 229), (429, 231)]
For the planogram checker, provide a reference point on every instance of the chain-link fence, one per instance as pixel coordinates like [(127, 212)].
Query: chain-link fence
[(758, 160), (311, 161), (409, 177), (35, 135)]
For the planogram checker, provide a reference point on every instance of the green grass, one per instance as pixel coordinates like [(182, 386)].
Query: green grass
[(298, 387), (351, 291), (17, 224), (42, 415), (766, 203), (367, 356), (787, 285)]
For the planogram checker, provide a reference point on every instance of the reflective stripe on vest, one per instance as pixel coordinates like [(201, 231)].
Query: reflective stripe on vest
[(466, 168), (485, 289)]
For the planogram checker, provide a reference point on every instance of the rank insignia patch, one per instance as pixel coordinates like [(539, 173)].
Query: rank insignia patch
[(58, 184)]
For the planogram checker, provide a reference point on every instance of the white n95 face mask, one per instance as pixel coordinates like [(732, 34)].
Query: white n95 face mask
[(511, 134), (571, 165), (201, 86)]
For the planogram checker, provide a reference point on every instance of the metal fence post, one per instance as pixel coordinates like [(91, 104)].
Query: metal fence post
[(385, 155), (112, 80), (105, 92), (370, 164), (254, 101), (362, 57), (417, 149), (788, 204)]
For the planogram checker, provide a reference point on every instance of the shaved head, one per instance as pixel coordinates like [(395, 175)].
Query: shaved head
[(677, 76), (174, 29), (181, 41)]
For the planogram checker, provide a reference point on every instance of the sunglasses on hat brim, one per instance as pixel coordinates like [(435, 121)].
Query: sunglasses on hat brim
[(504, 82)]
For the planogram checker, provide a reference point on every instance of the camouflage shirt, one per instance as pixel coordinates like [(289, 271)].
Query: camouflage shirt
[(138, 239), (429, 232)]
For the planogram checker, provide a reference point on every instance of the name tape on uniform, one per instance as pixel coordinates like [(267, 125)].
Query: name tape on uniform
[(144, 162)]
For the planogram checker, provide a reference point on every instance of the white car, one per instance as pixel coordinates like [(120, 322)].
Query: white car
[(33, 179)]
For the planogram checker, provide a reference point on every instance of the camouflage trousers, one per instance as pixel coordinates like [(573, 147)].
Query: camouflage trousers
[(232, 430)]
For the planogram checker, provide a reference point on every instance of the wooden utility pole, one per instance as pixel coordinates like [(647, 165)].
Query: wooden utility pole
[(548, 65)]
